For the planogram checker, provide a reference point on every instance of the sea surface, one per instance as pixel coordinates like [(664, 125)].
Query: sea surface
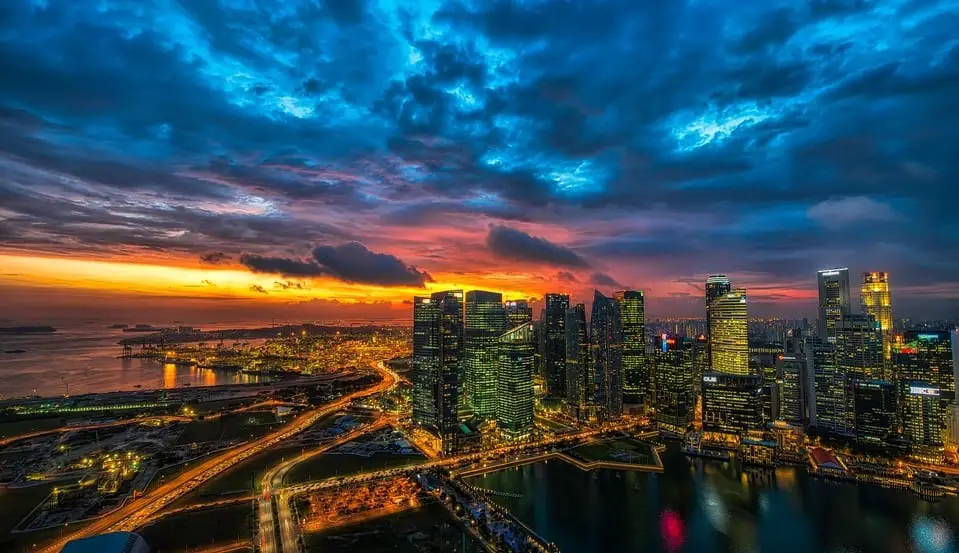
[(705, 506), (83, 357)]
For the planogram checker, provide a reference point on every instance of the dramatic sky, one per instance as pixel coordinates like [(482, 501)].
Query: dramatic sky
[(335, 156)]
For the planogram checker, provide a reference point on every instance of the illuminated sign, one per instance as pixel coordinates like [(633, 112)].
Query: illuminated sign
[(711, 379), (511, 304), (426, 300), (831, 272), (457, 294), (665, 344), (923, 391), (928, 336)]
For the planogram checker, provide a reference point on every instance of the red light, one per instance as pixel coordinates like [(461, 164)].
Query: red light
[(673, 530)]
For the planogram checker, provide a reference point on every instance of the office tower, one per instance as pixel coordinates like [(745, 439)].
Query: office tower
[(831, 397), (606, 335), (791, 378), (514, 382), (636, 381), (833, 300), (672, 368), (485, 323), (875, 408), (518, 312), (717, 286), (859, 347), (927, 356), (876, 301), (732, 403), (450, 361), (425, 361), (729, 334), (762, 359), (554, 344), (579, 370), (921, 419)]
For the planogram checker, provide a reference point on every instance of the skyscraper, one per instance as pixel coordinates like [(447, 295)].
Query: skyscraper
[(830, 392), (425, 362), (485, 323), (859, 347), (450, 361), (927, 357), (875, 408), (554, 344), (606, 334), (791, 377), (514, 382), (729, 333), (580, 384), (518, 312), (672, 367), (833, 300), (717, 286), (922, 416), (876, 301), (732, 403), (636, 374)]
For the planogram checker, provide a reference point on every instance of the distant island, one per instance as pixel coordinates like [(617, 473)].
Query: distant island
[(27, 329)]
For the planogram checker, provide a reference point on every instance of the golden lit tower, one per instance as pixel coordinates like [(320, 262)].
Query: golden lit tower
[(876, 301), (729, 333)]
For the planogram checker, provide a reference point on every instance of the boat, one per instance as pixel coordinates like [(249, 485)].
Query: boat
[(716, 454), (27, 329), (138, 385), (15, 351), (119, 326)]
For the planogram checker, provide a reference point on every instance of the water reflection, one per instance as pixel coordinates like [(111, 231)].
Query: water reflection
[(703, 506)]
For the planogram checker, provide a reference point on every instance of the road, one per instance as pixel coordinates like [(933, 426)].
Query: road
[(274, 495), (135, 513)]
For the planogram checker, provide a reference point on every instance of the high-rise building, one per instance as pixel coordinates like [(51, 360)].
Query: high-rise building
[(876, 410), (485, 323), (606, 335), (877, 301), (927, 356), (729, 333), (791, 379), (514, 382), (922, 418), (859, 347), (636, 379), (518, 312), (580, 383), (717, 286), (425, 361), (732, 403), (831, 392), (554, 344), (672, 368), (833, 300), (450, 361)]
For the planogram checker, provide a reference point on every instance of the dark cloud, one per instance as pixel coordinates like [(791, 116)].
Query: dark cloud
[(516, 245), (353, 262), (215, 258), (289, 285), (566, 276), (258, 289), (281, 265)]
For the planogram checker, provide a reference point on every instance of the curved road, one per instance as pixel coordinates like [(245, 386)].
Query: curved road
[(136, 512)]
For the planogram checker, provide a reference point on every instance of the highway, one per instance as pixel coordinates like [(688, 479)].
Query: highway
[(135, 513)]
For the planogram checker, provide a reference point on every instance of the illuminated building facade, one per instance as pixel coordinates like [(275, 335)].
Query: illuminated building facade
[(554, 344), (833, 300), (859, 347), (728, 333), (927, 356), (636, 378), (732, 403), (922, 416), (832, 402), (876, 410), (580, 381), (877, 301), (606, 335), (425, 362), (514, 382), (450, 359), (485, 323), (791, 378), (717, 286), (675, 397), (518, 312)]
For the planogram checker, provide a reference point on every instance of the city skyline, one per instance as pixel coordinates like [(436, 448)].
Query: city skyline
[(203, 159)]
